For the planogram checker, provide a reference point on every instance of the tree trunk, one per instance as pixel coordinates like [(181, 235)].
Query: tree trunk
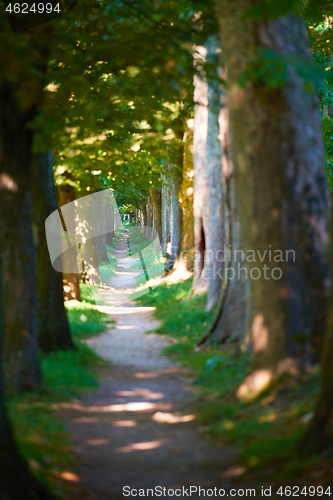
[(176, 214), (53, 328), (156, 197), (16, 481), (150, 219), (71, 283), (201, 187), (166, 202), (214, 175), (319, 434), (19, 296), (145, 217), (233, 314), (186, 199), (280, 171), (109, 208)]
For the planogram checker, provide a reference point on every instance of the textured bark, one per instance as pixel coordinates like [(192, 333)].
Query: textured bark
[(19, 296), (186, 199), (215, 264), (53, 328), (16, 481), (71, 284), (201, 189), (319, 434), (156, 198), (280, 172), (231, 324)]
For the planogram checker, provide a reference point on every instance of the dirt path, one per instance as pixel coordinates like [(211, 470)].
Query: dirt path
[(136, 430)]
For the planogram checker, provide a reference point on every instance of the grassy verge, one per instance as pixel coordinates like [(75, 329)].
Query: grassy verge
[(265, 430), (41, 436)]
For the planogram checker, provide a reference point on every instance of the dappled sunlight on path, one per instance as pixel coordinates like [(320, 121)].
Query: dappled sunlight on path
[(138, 430)]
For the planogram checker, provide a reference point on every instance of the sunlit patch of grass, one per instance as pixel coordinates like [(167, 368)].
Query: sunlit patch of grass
[(85, 320), (108, 270), (40, 433), (265, 430), (90, 294)]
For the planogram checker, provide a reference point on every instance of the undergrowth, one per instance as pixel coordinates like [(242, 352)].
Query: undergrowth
[(265, 430), (39, 431)]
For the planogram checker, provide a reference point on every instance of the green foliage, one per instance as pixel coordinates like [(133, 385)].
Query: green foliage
[(270, 9), (273, 71), (85, 320), (178, 311), (321, 40)]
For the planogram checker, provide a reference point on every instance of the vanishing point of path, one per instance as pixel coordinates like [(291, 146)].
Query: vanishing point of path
[(137, 429)]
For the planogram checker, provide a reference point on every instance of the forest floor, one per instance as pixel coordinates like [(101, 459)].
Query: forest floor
[(137, 429)]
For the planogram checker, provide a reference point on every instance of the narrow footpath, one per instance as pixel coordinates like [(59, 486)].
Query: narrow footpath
[(137, 431)]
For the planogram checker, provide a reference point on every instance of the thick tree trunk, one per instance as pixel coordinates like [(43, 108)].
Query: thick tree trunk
[(319, 434), (280, 171), (232, 322), (19, 296), (201, 187), (233, 314), (71, 283), (16, 481), (214, 175), (156, 198), (186, 199), (53, 328), (208, 202)]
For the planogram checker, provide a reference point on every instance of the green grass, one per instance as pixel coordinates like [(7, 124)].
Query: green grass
[(265, 430), (40, 433)]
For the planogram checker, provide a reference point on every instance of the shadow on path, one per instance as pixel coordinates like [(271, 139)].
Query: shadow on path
[(136, 430)]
